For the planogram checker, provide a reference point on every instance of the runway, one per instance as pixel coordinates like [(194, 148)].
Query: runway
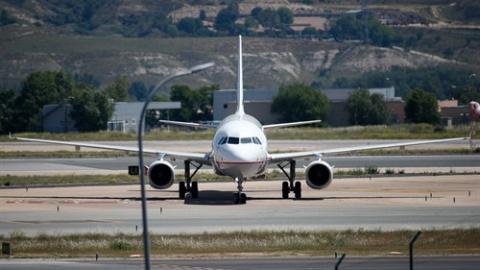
[(384, 203), (383, 262), (429, 163), (391, 203), (407, 163)]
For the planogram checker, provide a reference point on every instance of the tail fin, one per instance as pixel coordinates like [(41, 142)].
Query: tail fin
[(240, 109)]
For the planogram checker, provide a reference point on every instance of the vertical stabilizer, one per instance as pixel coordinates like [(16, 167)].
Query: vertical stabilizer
[(240, 79)]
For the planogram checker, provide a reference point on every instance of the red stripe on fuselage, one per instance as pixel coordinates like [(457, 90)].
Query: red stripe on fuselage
[(240, 162)]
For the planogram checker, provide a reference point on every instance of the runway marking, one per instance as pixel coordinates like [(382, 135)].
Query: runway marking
[(60, 221), (182, 267)]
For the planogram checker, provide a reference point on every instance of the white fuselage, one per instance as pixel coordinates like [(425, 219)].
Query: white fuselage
[(239, 147)]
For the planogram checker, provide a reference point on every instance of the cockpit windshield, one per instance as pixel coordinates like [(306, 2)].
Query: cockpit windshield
[(236, 140), (246, 140), (233, 140)]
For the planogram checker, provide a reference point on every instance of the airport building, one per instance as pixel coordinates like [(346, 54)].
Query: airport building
[(258, 103), (56, 118)]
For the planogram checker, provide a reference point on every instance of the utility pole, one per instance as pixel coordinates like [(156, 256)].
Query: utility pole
[(411, 248)]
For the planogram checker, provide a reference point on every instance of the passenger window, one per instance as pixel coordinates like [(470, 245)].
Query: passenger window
[(246, 140), (233, 140)]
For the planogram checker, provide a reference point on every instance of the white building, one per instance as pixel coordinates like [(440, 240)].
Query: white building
[(56, 118)]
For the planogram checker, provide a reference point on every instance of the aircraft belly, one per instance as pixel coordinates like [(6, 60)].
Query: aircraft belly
[(240, 170)]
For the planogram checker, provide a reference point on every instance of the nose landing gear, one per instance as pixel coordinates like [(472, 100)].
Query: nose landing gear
[(239, 197)]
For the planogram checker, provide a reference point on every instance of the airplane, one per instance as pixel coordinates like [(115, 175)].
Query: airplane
[(240, 151)]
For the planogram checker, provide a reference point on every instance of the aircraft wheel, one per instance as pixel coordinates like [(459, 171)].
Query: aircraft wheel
[(298, 190), (236, 198), (194, 190), (285, 190), (182, 189), (243, 198)]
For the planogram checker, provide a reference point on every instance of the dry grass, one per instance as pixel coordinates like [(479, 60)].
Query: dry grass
[(404, 131), (268, 243)]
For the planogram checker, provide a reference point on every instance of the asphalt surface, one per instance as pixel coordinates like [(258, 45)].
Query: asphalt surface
[(457, 163), (435, 163), (391, 203), (384, 262)]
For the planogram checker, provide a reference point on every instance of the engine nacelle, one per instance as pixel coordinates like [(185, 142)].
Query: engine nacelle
[(318, 174), (161, 174)]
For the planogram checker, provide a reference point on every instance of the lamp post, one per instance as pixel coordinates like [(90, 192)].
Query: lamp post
[(472, 89), (151, 94)]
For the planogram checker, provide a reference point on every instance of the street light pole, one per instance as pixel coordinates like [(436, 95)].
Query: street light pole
[(151, 94)]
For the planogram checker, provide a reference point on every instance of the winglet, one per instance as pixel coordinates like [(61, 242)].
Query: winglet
[(10, 135), (240, 109)]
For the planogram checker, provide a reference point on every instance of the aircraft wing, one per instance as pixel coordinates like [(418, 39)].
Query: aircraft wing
[(198, 157), (276, 158)]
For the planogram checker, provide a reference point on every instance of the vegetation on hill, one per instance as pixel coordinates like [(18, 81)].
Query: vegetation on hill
[(431, 45)]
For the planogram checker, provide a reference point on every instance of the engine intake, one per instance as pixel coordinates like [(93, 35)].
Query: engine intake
[(161, 174), (318, 174)]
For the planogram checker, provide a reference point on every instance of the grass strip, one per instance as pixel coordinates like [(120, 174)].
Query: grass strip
[(263, 242), (54, 180)]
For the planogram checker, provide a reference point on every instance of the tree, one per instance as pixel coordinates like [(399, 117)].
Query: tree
[(380, 113), (39, 89), (421, 107), (353, 27), (300, 102), (118, 89), (138, 91), (285, 15), (190, 26), (225, 20), (186, 96), (202, 15), (268, 18), (5, 18), (197, 105), (205, 102), (91, 110), (7, 120), (309, 31), (367, 109)]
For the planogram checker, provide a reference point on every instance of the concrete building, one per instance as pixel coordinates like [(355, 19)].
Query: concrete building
[(56, 118), (258, 103), (126, 114), (451, 113)]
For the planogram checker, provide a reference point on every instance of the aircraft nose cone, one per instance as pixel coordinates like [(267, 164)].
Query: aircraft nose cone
[(240, 161)]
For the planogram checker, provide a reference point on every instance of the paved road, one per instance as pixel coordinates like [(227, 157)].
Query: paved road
[(384, 262)]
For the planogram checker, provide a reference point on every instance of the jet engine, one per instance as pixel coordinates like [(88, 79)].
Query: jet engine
[(474, 110), (318, 174), (161, 174)]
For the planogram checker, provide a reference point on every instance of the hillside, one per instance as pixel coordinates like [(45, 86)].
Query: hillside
[(39, 41)]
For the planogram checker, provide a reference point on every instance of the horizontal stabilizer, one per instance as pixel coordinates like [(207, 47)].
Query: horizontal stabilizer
[(291, 124), (187, 124)]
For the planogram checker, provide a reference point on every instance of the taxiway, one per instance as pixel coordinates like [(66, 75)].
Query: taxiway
[(389, 203)]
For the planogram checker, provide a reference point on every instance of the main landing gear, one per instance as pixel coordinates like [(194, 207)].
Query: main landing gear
[(190, 186), (291, 185), (239, 197)]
